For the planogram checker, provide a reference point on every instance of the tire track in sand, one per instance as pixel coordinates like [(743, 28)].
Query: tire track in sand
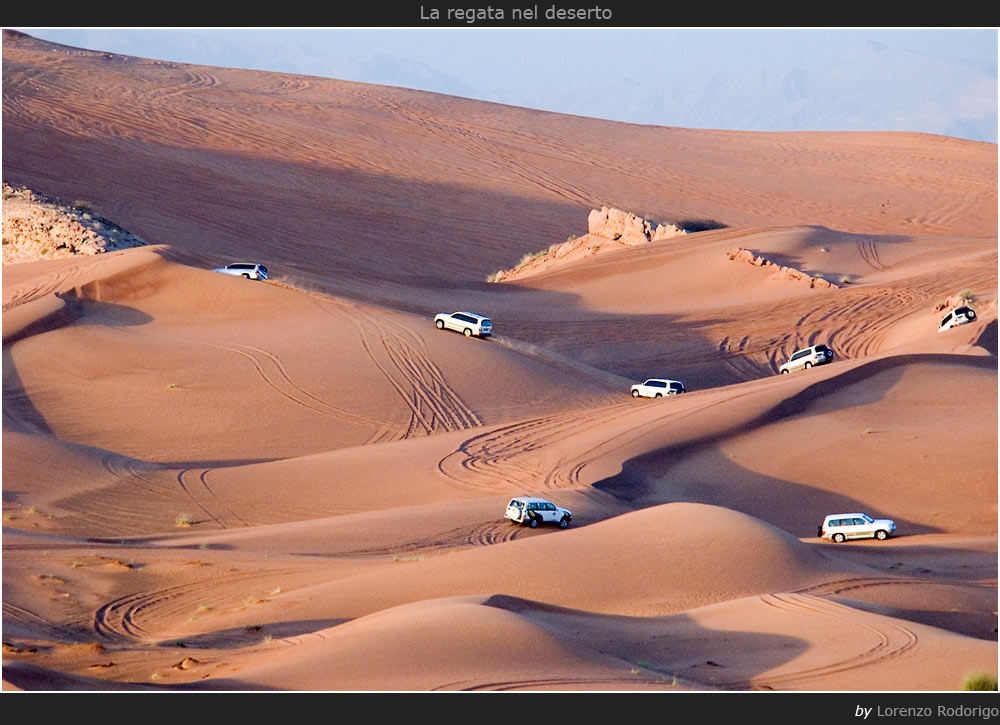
[(539, 453), (135, 617), (210, 503), (273, 372), (878, 639), (38, 287), (484, 534), (401, 357)]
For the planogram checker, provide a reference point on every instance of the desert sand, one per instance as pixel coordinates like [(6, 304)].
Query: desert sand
[(211, 483)]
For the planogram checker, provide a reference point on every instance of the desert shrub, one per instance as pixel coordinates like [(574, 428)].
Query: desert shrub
[(980, 681), (184, 520), (968, 295), (700, 225)]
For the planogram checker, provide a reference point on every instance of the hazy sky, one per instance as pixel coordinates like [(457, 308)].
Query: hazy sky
[(486, 56), (557, 68)]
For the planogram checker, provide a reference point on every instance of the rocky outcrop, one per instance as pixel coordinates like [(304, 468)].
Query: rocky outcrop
[(36, 226), (778, 271), (627, 228), (607, 228)]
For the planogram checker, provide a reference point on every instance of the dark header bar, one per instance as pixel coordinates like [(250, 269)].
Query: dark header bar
[(527, 14)]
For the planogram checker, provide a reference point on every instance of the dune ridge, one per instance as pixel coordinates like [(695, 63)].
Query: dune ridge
[(213, 483)]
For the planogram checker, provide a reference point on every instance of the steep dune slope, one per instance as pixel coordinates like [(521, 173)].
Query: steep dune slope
[(245, 364), (371, 179)]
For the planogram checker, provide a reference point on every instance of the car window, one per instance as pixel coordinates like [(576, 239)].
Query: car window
[(858, 522), (946, 318), (676, 386), (868, 519), (800, 354), (837, 522), (821, 348), (960, 310), (657, 384)]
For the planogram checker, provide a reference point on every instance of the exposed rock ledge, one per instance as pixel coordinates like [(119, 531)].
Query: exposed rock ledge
[(779, 272), (36, 226), (607, 228)]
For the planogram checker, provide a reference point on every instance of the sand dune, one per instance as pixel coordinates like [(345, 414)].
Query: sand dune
[(298, 484)]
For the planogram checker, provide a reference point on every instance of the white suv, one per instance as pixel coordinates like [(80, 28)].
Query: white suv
[(657, 388), (533, 511), (958, 316), (807, 357), (468, 323), (840, 527), (244, 269)]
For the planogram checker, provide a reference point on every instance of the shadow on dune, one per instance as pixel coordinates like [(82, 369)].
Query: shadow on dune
[(81, 309), (30, 677), (793, 507), (340, 221), (647, 480), (662, 648), (988, 339), (253, 635), (557, 322), (825, 238), (19, 413), (979, 624), (626, 652)]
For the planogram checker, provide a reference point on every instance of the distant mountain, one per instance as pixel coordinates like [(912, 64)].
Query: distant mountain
[(389, 70), (869, 88)]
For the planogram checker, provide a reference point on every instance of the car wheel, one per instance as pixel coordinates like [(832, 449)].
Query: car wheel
[(635, 393), (533, 522), (440, 324), (807, 365), (839, 538), (246, 276), (785, 371), (881, 535), (563, 523), (468, 331), (659, 395)]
